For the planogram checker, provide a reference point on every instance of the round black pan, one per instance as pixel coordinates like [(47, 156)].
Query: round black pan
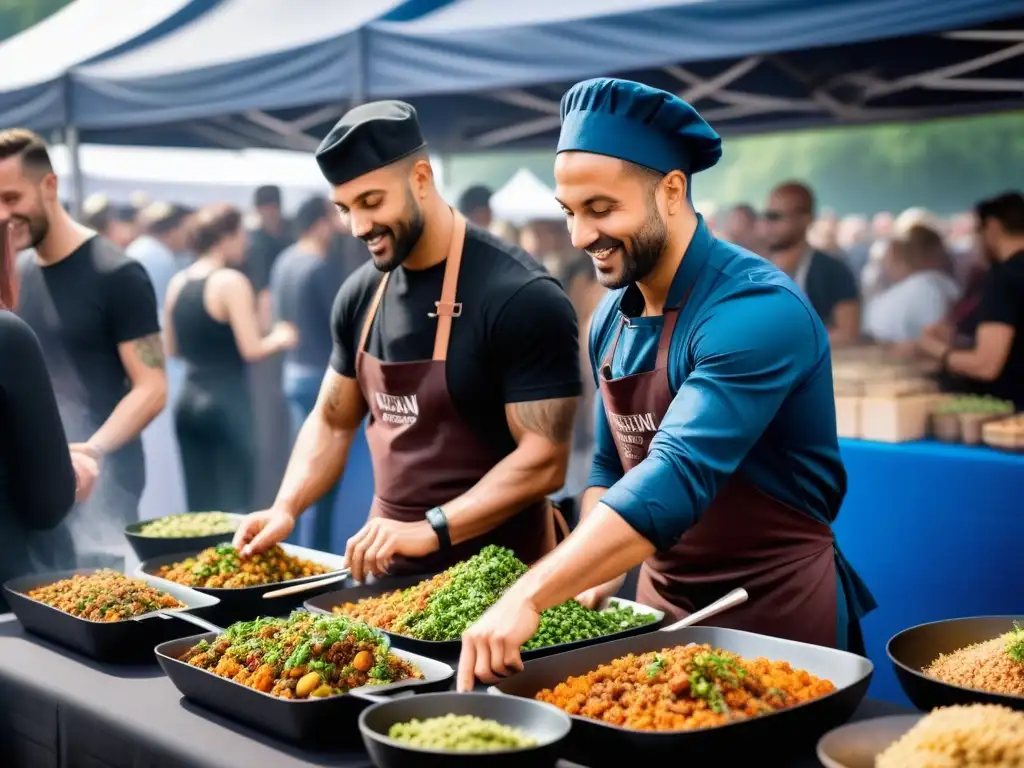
[(546, 724), (913, 649), (147, 547), (763, 740), (120, 642)]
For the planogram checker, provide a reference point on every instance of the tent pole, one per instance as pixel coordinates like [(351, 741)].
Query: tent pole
[(72, 143)]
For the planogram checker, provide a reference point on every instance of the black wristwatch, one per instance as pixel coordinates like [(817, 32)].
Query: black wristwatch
[(439, 522)]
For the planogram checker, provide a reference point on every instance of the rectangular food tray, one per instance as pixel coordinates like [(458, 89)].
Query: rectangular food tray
[(449, 650), (778, 735), (312, 723), (129, 640), (244, 603)]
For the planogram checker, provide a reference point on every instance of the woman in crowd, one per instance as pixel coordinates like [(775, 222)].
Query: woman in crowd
[(211, 322), (921, 289), (40, 478)]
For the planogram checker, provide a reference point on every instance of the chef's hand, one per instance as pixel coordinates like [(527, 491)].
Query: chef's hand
[(373, 548), (261, 530), (593, 597), (490, 647)]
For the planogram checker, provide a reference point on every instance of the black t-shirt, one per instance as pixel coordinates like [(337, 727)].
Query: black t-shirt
[(829, 282), (81, 309), (516, 340), (263, 250), (1002, 301), (303, 286)]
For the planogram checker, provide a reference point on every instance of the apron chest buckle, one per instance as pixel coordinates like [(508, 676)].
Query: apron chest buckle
[(446, 309)]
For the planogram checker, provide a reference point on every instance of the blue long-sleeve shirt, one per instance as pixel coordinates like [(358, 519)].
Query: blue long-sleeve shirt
[(750, 365)]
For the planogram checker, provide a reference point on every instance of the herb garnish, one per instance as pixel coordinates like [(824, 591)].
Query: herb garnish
[(1015, 643)]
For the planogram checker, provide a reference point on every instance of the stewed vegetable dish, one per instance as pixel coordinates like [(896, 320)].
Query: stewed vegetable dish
[(301, 657), (684, 688), (221, 567), (105, 595)]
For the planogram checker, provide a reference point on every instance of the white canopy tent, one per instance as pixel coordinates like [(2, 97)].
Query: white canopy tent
[(525, 198)]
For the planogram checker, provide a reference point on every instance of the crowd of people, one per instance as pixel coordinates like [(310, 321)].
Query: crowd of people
[(947, 290), (219, 291)]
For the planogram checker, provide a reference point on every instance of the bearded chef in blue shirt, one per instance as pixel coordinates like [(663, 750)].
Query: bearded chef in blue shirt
[(717, 464)]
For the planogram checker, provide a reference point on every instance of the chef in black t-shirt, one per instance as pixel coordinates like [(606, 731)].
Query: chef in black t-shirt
[(94, 311), (463, 350), (995, 362)]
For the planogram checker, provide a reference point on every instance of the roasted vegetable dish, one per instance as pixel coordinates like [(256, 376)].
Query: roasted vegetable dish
[(104, 596), (683, 689), (442, 607), (301, 657), (189, 525), (460, 733), (995, 666), (221, 567)]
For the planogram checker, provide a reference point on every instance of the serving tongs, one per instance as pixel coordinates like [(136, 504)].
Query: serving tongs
[(731, 600), (177, 613), (307, 586)]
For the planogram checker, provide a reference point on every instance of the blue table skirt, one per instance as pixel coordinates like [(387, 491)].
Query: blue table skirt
[(936, 531)]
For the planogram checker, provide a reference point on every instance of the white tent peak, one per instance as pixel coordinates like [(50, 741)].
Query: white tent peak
[(525, 198)]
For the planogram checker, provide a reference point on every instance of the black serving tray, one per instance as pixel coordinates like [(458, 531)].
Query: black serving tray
[(121, 642), (312, 723), (776, 736), (244, 603), (449, 650)]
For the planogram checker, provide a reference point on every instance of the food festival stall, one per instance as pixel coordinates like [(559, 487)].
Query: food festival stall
[(63, 708)]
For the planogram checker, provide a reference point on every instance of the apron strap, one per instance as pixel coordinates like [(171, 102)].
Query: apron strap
[(372, 311), (447, 308), (606, 365), (665, 340), (667, 329)]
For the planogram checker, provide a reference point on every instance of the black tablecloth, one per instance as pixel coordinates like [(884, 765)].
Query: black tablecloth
[(60, 710)]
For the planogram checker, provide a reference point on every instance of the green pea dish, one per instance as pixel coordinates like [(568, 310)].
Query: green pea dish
[(188, 525), (460, 733)]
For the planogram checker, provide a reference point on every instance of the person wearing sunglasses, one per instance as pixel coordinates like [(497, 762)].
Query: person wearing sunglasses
[(828, 282)]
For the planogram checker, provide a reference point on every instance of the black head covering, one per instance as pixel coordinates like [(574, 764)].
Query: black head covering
[(369, 137)]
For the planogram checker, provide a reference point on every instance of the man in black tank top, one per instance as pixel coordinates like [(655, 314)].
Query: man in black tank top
[(94, 311)]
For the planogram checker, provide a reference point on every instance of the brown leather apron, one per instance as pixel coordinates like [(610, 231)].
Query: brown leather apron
[(424, 455), (783, 557)]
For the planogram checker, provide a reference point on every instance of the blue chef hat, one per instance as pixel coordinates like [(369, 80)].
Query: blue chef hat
[(634, 122)]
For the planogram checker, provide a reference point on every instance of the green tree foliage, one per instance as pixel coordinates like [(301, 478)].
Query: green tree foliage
[(16, 15), (944, 165)]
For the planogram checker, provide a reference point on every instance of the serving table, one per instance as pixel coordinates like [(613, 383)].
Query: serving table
[(935, 531), (60, 710)]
